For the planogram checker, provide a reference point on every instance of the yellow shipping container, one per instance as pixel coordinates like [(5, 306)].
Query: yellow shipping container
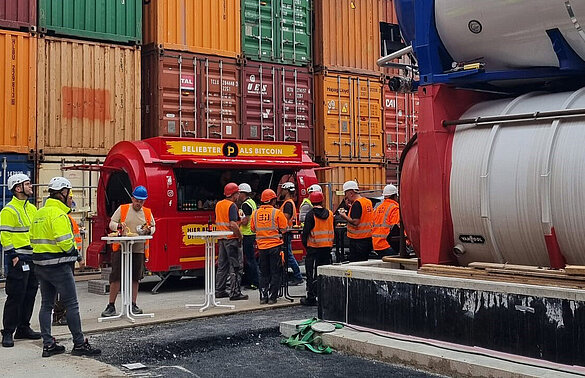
[(199, 26), (18, 64), (347, 35), (88, 96), (348, 118)]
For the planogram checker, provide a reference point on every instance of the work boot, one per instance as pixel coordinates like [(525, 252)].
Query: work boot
[(26, 333), (308, 301), (7, 340), (54, 348), (239, 297), (263, 300), (136, 310), (85, 350), (109, 311), (221, 294), (271, 301)]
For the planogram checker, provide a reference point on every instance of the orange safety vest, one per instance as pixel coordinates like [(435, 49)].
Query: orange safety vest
[(385, 216), (76, 233), (123, 214), (322, 234), (267, 222), (364, 229), (222, 216), (294, 214)]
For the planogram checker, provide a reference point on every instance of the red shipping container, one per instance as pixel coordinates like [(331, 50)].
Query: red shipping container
[(18, 14), (277, 104), (190, 95)]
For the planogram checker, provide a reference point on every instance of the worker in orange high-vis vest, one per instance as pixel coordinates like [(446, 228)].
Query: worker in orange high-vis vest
[(317, 237), (386, 222), (289, 209), (269, 224), (359, 222), (136, 218), (230, 258)]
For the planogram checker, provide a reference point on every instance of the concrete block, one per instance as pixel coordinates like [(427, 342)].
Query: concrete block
[(101, 287)]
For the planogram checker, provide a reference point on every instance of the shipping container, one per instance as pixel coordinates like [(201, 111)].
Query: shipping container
[(18, 65), (18, 14), (400, 121), (199, 26), (190, 95), (103, 20), (277, 104), (371, 179), (348, 122), (11, 164), (347, 35), (88, 96), (278, 31)]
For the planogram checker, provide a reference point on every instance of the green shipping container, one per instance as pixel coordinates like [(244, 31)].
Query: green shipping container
[(102, 20), (277, 31)]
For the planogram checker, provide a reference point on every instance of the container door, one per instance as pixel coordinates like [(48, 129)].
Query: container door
[(395, 123), (259, 96), (294, 31), (339, 118), (297, 106), (258, 29), (368, 146)]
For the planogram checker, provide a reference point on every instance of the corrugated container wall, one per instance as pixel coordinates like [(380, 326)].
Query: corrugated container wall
[(104, 20), (190, 95), (11, 164), (198, 26), (400, 121), (278, 31), (348, 122), (18, 14), (277, 104), (88, 96), (347, 35), (18, 65)]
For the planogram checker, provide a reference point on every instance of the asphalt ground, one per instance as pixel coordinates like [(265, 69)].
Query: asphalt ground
[(242, 345)]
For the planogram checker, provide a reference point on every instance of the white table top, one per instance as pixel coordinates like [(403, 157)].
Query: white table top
[(126, 238), (203, 234)]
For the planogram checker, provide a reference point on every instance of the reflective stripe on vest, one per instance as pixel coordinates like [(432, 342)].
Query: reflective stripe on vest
[(364, 228), (14, 232), (246, 230), (382, 226), (222, 216), (267, 236), (293, 218), (123, 214), (322, 234)]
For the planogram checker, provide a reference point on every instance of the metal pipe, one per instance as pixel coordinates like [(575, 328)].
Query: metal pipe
[(569, 113), (394, 55)]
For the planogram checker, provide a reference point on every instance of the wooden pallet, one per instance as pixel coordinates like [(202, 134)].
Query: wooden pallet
[(573, 277)]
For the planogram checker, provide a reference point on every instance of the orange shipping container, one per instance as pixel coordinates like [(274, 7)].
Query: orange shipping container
[(348, 118), (88, 96), (347, 35), (18, 55), (199, 26)]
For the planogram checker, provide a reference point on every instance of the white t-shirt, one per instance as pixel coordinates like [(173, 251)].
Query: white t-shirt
[(133, 220)]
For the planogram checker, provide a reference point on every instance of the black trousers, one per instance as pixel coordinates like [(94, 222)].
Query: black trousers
[(270, 272), (21, 290), (315, 257), (359, 249)]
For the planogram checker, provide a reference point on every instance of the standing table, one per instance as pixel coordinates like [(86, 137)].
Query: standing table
[(210, 238), (126, 243)]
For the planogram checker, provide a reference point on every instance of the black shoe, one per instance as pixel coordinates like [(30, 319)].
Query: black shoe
[(109, 311), (7, 339), (308, 302), (239, 297), (136, 310), (27, 333), (53, 349), (221, 294), (295, 282), (263, 300), (85, 350), (271, 301)]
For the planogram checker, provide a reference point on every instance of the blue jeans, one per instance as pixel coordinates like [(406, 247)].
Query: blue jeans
[(58, 279), (290, 258)]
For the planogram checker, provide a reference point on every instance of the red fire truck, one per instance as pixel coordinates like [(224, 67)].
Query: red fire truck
[(185, 178)]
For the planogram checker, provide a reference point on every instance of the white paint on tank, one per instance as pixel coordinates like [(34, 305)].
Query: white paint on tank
[(508, 34), (511, 183)]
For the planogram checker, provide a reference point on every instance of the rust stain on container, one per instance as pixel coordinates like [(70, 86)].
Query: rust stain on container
[(277, 104), (369, 177), (190, 95), (18, 14), (198, 26), (18, 64), (88, 96), (348, 118)]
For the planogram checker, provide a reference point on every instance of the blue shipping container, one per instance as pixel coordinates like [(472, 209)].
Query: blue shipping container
[(9, 165)]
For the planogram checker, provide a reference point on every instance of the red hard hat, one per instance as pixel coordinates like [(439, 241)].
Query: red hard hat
[(230, 188), (316, 197), (267, 195)]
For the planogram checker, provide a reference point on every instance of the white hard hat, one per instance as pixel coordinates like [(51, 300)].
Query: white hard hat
[(288, 186), (58, 183), (350, 185), (245, 188), (389, 190), (315, 188), (17, 178)]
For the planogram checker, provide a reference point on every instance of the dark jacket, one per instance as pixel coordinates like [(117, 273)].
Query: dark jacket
[(318, 212)]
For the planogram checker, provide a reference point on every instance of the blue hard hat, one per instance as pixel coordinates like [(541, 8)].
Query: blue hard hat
[(140, 193)]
